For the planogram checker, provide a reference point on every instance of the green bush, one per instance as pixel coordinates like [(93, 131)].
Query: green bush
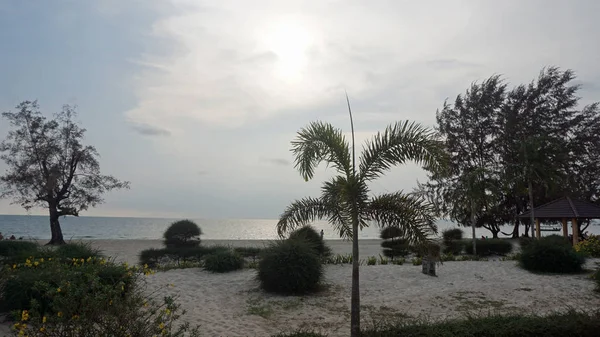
[(558, 240), (182, 233), (310, 235), (290, 267), (223, 261), (596, 278), (152, 257), (252, 252), (391, 233), (573, 324), (453, 234), (490, 247), (395, 248), (10, 248), (545, 255), (78, 250), (524, 241), (454, 247)]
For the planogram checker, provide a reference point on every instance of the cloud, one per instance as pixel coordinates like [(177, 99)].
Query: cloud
[(277, 161), (149, 130)]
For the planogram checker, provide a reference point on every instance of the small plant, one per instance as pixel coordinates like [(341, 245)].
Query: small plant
[(290, 267), (383, 260), (545, 255), (223, 261), (448, 257), (399, 261), (313, 238), (371, 261), (417, 261), (182, 233), (589, 247)]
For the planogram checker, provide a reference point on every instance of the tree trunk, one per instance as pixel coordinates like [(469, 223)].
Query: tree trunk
[(473, 221), (532, 216), (57, 236), (516, 230), (355, 300)]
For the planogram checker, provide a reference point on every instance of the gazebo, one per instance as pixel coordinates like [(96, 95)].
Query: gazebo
[(564, 209)]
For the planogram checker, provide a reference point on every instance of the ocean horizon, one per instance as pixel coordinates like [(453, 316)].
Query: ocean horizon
[(130, 228)]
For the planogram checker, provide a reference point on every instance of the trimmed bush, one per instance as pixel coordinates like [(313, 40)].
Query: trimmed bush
[(10, 248), (182, 233), (558, 239), (554, 325), (290, 267), (545, 255), (453, 234), (489, 247), (223, 261), (313, 238)]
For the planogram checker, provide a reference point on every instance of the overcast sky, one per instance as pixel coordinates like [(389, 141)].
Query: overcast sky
[(196, 102)]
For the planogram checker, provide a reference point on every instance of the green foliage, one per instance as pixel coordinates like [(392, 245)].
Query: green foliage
[(448, 257), (549, 255), (395, 248), (313, 238), (596, 277), (417, 261), (182, 233), (11, 248), (223, 261), (572, 323), (290, 267), (252, 252), (399, 261), (524, 241), (78, 250), (490, 247), (557, 240), (174, 256), (589, 247), (339, 259), (383, 260), (452, 234), (371, 261), (391, 232)]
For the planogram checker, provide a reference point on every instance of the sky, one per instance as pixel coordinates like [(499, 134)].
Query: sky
[(196, 102)]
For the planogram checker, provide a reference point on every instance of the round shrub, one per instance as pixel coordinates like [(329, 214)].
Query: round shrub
[(223, 261), (290, 267), (183, 233), (524, 241), (310, 235), (453, 234), (545, 255), (395, 248)]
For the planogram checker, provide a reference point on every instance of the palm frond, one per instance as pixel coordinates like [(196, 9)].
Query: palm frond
[(334, 193), (399, 143), (412, 215), (300, 213), (319, 142)]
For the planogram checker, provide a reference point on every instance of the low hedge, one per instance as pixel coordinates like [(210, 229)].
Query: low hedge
[(223, 261), (555, 325), (152, 257), (551, 256), (487, 247), (10, 248)]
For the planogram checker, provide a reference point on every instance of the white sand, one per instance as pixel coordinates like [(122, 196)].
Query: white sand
[(232, 304)]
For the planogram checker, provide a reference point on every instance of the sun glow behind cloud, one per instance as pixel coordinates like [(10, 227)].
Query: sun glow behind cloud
[(290, 40)]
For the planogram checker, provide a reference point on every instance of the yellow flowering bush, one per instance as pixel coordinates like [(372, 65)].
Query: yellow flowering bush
[(589, 247), (85, 297)]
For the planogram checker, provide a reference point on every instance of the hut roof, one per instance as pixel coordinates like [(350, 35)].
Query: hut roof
[(565, 207)]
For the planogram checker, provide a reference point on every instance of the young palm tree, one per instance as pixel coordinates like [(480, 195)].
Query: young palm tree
[(345, 200)]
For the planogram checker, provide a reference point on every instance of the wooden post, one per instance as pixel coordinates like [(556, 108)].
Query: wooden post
[(538, 230), (565, 228), (575, 231)]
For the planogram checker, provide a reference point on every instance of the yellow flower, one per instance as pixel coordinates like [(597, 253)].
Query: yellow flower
[(59, 314), (21, 333), (44, 319), (42, 260), (36, 263), (161, 326), (58, 290), (167, 311), (17, 326), (75, 317), (110, 303), (145, 266), (89, 259), (42, 329), (123, 288), (14, 266), (49, 259), (24, 315), (145, 303), (82, 260)]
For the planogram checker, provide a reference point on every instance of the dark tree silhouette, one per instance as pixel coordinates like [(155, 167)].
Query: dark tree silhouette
[(48, 166)]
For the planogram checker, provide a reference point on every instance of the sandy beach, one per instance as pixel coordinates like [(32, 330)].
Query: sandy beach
[(232, 304)]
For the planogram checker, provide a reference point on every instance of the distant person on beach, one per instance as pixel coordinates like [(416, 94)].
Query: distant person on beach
[(12, 237), (1, 237), (321, 234)]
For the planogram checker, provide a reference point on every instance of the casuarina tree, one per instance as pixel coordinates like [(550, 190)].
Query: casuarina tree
[(345, 200), (49, 166)]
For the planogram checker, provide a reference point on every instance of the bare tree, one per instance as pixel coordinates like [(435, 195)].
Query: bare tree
[(48, 166)]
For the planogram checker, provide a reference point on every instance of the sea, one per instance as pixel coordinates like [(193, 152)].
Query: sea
[(113, 228)]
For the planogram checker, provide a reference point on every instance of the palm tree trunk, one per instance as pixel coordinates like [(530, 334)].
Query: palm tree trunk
[(532, 216), (355, 300), (473, 222)]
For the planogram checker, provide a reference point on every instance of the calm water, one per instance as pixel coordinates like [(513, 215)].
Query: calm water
[(37, 227)]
